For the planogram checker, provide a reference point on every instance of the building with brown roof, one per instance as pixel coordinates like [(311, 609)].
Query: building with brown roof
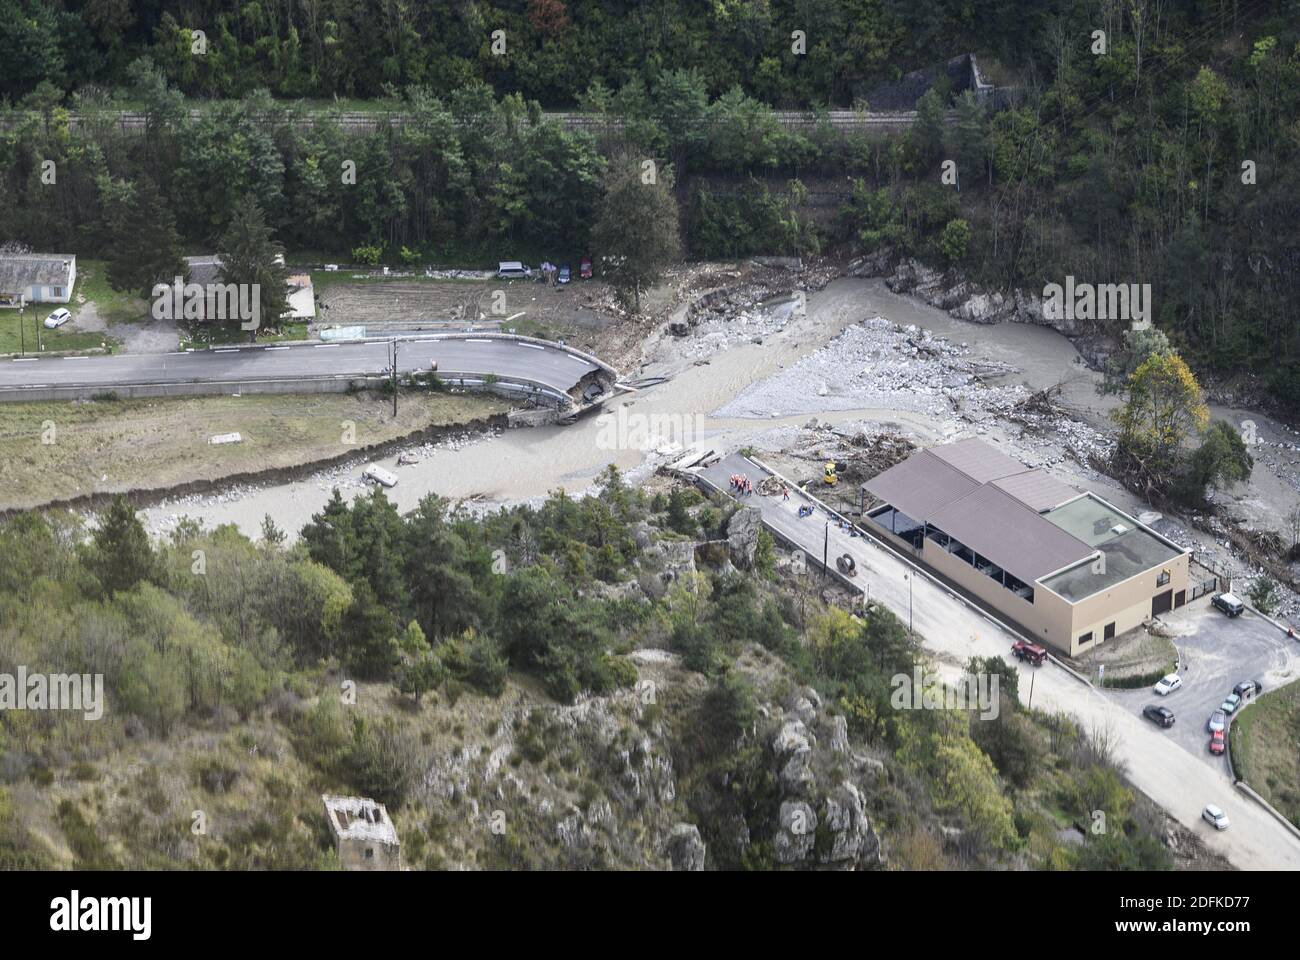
[(1064, 565)]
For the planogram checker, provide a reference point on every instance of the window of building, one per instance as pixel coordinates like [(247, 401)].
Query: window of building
[(1109, 631), (58, 291), (370, 853), (1163, 578), (1086, 638)]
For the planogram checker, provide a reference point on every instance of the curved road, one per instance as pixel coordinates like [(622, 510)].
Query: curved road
[(550, 365)]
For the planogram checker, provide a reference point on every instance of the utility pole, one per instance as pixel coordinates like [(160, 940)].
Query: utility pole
[(22, 326), (1030, 708), (393, 375), (908, 578)]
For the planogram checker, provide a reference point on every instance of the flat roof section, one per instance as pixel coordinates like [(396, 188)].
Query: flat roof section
[(1127, 548)]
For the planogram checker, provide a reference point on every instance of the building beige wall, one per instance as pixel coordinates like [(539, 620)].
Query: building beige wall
[(1127, 604), (1051, 619), (1047, 619), (383, 856)]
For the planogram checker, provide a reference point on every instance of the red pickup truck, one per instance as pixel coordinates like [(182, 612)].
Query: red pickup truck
[(1031, 652)]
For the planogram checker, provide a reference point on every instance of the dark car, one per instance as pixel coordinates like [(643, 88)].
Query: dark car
[(565, 274), (584, 268), (1161, 716), (1229, 604), (1247, 689)]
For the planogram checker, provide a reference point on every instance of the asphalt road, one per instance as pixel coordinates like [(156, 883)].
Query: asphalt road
[(1215, 654), (1176, 779), (468, 354)]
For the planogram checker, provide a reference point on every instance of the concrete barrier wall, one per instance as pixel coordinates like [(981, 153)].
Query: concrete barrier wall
[(510, 387)]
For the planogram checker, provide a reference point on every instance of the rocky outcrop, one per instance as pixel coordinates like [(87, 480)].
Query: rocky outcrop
[(828, 827), (742, 536), (685, 848), (960, 298), (798, 833)]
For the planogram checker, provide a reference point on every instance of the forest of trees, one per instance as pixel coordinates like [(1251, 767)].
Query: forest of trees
[(212, 627), (1163, 152)]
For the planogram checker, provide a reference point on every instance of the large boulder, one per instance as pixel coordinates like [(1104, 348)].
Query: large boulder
[(851, 837), (798, 834), (793, 747), (742, 536), (685, 848)]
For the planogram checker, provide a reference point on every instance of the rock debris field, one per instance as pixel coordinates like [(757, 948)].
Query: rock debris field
[(879, 364)]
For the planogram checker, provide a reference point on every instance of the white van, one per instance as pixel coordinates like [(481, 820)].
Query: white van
[(513, 270), (379, 475)]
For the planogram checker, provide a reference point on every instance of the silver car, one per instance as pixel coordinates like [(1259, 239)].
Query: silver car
[(1216, 816), (1218, 720)]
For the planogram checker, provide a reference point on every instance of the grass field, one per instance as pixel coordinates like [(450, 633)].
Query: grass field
[(16, 339), (113, 305), (1266, 748), (52, 451)]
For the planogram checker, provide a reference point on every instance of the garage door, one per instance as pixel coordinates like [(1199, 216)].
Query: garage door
[(1162, 603)]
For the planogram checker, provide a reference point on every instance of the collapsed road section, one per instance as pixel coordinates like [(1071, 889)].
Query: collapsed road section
[(523, 364)]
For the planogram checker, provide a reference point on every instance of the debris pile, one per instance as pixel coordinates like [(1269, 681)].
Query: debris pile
[(877, 364)]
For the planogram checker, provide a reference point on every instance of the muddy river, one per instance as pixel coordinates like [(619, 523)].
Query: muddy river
[(525, 464)]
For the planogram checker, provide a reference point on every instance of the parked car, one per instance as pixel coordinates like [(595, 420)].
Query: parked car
[(1168, 684), (1216, 816), (1029, 652), (58, 318), (1218, 743), (1248, 689), (1218, 721), (1229, 604), (565, 274), (1230, 705), (584, 268), (1160, 716), (513, 270)]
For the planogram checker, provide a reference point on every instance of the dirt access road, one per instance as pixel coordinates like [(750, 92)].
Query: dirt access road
[(1173, 778)]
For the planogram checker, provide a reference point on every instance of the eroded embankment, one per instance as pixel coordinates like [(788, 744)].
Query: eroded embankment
[(142, 497)]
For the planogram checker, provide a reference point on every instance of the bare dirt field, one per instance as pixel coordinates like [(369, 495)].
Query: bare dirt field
[(56, 451)]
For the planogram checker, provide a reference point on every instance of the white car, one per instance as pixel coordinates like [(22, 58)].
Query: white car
[(58, 318), (1215, 816), (1169, 684)]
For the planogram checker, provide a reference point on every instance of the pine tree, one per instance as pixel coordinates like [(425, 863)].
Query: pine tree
[(146, 247), (637, 232), (249, 255), (120, 554)]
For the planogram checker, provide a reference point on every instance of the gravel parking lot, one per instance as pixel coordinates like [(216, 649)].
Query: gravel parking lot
[(1215, 654)]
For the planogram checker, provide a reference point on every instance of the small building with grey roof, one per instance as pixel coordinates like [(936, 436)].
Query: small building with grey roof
[(1063, 564), (36, 278)]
